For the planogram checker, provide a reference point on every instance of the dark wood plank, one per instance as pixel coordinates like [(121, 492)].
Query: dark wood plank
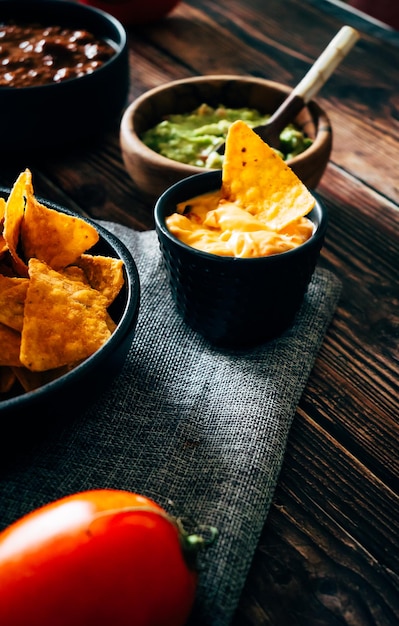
[(309, 570)]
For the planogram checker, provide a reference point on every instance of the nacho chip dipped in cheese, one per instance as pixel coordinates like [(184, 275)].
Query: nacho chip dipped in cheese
[(260, 210)]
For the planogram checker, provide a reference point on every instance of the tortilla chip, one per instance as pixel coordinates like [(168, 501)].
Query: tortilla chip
[(13, 216), (259, 181), (103, 273), (64, 321), (73, 272), (6, 268), (7, 379), (3, 246), (12, 301), (10, 342), (3, 243), (53, 237), (33, 380), (110, 323)]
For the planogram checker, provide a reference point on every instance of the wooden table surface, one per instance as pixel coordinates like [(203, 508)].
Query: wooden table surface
[(329, 550)]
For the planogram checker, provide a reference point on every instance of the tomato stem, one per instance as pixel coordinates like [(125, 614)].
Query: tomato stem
[(191, 543), (196, 541)]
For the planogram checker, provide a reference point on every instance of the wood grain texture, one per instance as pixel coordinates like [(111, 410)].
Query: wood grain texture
[(328, 554)]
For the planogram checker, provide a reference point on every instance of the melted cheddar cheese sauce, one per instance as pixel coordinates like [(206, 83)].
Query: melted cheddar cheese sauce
[(212, 224)]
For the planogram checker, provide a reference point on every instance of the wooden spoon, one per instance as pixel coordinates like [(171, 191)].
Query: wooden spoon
[(310, 84)]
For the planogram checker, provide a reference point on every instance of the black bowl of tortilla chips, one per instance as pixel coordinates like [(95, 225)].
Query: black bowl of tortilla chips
[(69, 301)]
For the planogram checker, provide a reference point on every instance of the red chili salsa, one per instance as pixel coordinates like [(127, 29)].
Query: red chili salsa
[(33, 54)]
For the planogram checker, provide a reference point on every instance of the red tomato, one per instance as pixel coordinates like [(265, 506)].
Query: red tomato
[(101, 557), (131, 12)]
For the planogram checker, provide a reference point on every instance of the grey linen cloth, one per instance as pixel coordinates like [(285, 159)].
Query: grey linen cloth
[(200, 430)]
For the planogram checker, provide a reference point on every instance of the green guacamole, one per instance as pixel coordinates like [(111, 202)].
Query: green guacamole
[(191, 138)]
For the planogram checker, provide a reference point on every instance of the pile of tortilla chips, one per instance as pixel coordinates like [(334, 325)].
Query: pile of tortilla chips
[(54, 296)]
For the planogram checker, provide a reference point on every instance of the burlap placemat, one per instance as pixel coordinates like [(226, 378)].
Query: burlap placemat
[(201, 430)]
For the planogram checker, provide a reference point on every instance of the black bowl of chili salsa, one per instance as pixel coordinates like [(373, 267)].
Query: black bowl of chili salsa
[(64, 74)]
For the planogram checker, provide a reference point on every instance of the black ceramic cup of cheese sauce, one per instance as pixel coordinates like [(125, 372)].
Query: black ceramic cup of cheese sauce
[(235, 302)]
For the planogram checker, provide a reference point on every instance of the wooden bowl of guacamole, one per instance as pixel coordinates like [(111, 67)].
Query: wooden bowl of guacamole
[(170, 132)]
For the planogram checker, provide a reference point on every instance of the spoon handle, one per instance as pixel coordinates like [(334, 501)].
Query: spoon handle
[(310, 84), (307, 88), (326, 63)]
